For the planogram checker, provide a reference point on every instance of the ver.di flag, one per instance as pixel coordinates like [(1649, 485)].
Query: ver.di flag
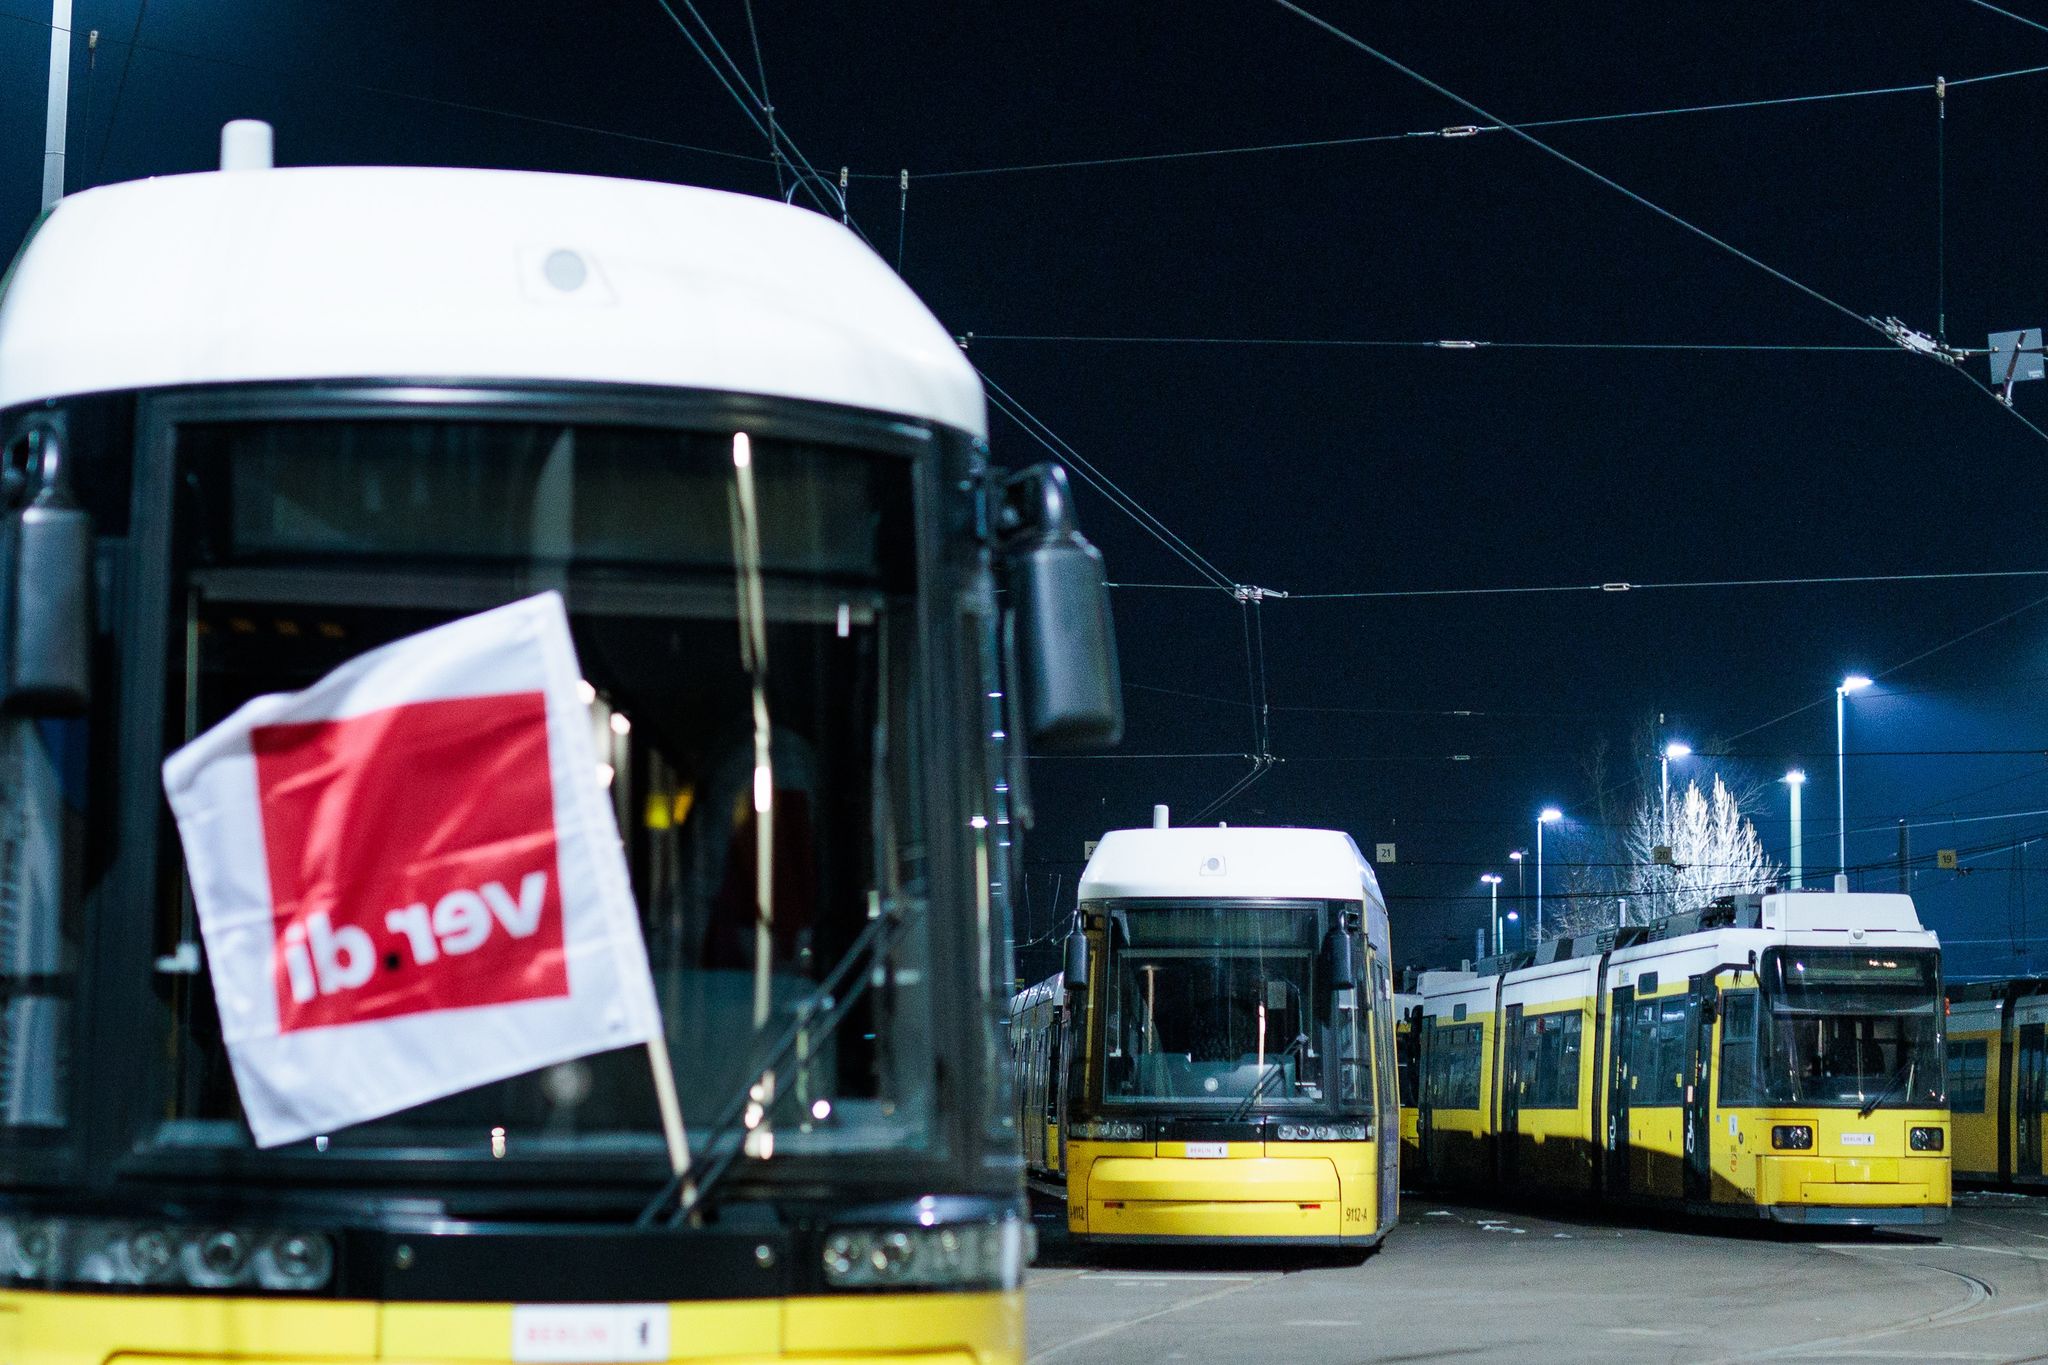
[(409, 880)]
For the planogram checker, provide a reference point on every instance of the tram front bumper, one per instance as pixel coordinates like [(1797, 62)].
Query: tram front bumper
[(1861, 1191), (1264, 1199), (56, 1328)]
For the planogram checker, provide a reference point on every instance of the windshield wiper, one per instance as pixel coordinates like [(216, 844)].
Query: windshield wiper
[(819, 1016), (1267, 1077), (1904, 1073)]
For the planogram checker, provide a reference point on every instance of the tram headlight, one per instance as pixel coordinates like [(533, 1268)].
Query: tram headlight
[(28, 1248), (1322, 1132), (1792, 1137), (152, 1255), (1111, 1130), (107, 1251), (1926, 1139), (217, 1258), (968, 1255)]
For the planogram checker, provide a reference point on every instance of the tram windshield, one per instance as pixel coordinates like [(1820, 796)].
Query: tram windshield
[(1220, 1004), (1851, 1027), (298, 545)]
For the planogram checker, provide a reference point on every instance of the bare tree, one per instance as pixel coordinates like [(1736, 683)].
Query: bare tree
[(1714, 847)]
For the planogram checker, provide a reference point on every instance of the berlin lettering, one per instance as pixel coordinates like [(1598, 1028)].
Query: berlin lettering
[(323, 959)]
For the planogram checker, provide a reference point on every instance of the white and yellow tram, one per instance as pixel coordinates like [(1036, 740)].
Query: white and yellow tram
[(1216, 1064), (1998, 1080), (1777, 1056), (258, 421)]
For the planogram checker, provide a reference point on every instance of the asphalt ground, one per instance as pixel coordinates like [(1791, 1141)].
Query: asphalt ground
[(1459, 1283)]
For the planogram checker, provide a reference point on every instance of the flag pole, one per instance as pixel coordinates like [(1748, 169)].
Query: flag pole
[(671, 1111)]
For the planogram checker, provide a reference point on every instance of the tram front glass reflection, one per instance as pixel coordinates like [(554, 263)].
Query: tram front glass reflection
[(1213, 1003)]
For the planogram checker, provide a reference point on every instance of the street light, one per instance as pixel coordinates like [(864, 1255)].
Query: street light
[(1492, 880), (1550, 815), (1855, 682), (1796, 781), (1521, 883), (1677, 748)]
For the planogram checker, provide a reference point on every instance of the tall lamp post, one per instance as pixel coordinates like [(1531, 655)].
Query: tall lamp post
[(1796, 782), (1855, 682), (1677, 748), (1492, 880), (1550, 815)]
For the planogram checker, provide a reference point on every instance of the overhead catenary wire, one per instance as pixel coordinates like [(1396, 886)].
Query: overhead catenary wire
[(1456, 133), (2016, 18), (1446, 344), (411, 96), (1007, 403), (1579, 166), (120, 88), (1895, 331), (823, 192), (767, 101), (1622, 585)]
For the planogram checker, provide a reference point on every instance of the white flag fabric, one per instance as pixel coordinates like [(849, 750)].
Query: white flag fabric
[(409, 878)]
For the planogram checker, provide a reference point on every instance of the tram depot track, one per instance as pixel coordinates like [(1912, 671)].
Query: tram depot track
[(1462, 1283)]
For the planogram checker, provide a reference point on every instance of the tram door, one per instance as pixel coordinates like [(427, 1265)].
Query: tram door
[(1508, 1144), (1619, 1082), (1055, 1127), (1425, 1092), (2031, 1097), (1699, 1036)]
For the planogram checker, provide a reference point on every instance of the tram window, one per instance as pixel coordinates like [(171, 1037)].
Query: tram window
[(1738, 1048), (1406, 1069), (1352, 1059), (1642, 1057), (1671, 1017), (1214, 1002), (1550, 1061), (297, 540), (1454, 1063), (1657, 1054), (1966, 1066), (1847, 1027), (42, 804)]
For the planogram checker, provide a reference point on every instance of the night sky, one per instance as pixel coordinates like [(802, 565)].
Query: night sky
[(1367, 469)]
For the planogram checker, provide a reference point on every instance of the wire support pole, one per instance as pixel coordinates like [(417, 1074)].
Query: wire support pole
[(1941, 211)]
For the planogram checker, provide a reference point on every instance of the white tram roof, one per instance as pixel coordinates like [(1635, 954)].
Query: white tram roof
[(1206, 862), (365, 272), (1791, 919)]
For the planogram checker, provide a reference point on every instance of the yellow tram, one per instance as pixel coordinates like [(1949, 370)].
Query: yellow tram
[(1408, 1081), (261, 420), (1998, 1080), (1216, 1064), (1777, 1056)]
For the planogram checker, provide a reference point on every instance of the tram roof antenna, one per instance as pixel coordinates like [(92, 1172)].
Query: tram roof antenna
[(247, 144)]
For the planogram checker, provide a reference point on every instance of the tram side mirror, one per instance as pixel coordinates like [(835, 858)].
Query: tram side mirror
[(1339, 967), (1066, 663), (46, 589), (1077, 961)]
